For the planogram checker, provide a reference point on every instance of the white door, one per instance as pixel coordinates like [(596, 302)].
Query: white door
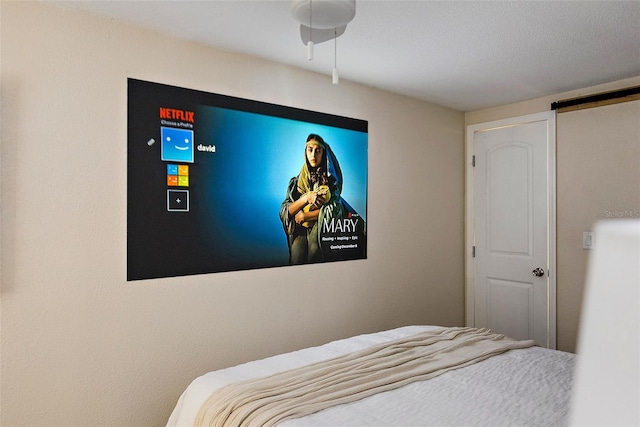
[(511, 227)]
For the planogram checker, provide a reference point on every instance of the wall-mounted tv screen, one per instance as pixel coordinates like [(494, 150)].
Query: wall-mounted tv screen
[(217, 183)]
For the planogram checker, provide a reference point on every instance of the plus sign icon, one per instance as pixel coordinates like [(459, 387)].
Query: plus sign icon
[(178, 200)]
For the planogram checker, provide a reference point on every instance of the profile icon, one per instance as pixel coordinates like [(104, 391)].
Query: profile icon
[(177, 145)]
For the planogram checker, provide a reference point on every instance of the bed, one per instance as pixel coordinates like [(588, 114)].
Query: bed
[(520, 385)]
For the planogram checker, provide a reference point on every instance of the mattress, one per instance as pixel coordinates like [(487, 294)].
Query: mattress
[(524, 387)]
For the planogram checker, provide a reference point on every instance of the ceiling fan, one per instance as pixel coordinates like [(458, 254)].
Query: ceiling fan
[(322, 20)]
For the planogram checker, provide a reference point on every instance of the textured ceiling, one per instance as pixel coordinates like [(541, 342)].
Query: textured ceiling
[(465, 55)]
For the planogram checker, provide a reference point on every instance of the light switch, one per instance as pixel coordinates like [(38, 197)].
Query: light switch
[(587, 240)]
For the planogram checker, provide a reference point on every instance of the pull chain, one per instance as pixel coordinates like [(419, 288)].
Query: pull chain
[(310, 42), (335, 57)]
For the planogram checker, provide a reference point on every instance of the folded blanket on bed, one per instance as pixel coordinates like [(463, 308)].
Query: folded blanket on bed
[(302, 391)]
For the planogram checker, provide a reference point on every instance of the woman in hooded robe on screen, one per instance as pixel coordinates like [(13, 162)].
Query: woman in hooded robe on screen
[(312, 204)]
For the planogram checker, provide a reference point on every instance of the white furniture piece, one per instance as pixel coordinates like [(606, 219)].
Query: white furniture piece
[(607, 386)]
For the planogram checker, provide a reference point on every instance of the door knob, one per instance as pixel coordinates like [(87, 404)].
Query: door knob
[(538, 272)]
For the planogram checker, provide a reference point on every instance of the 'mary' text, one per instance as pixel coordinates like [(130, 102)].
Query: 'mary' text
[(338, 225)]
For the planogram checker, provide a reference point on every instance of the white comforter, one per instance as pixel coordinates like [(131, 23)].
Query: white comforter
[(528, 387)]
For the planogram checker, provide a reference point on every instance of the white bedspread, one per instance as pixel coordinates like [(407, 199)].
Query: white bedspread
[(525, 387)]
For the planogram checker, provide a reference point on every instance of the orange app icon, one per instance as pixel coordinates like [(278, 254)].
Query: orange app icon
[(172, 180), (183, 170)]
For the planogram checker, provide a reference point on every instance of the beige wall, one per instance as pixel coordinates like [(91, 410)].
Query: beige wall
[(598, 177), (82, 346)]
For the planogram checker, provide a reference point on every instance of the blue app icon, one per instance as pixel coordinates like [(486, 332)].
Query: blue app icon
[(172, 169), (177, 145)]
